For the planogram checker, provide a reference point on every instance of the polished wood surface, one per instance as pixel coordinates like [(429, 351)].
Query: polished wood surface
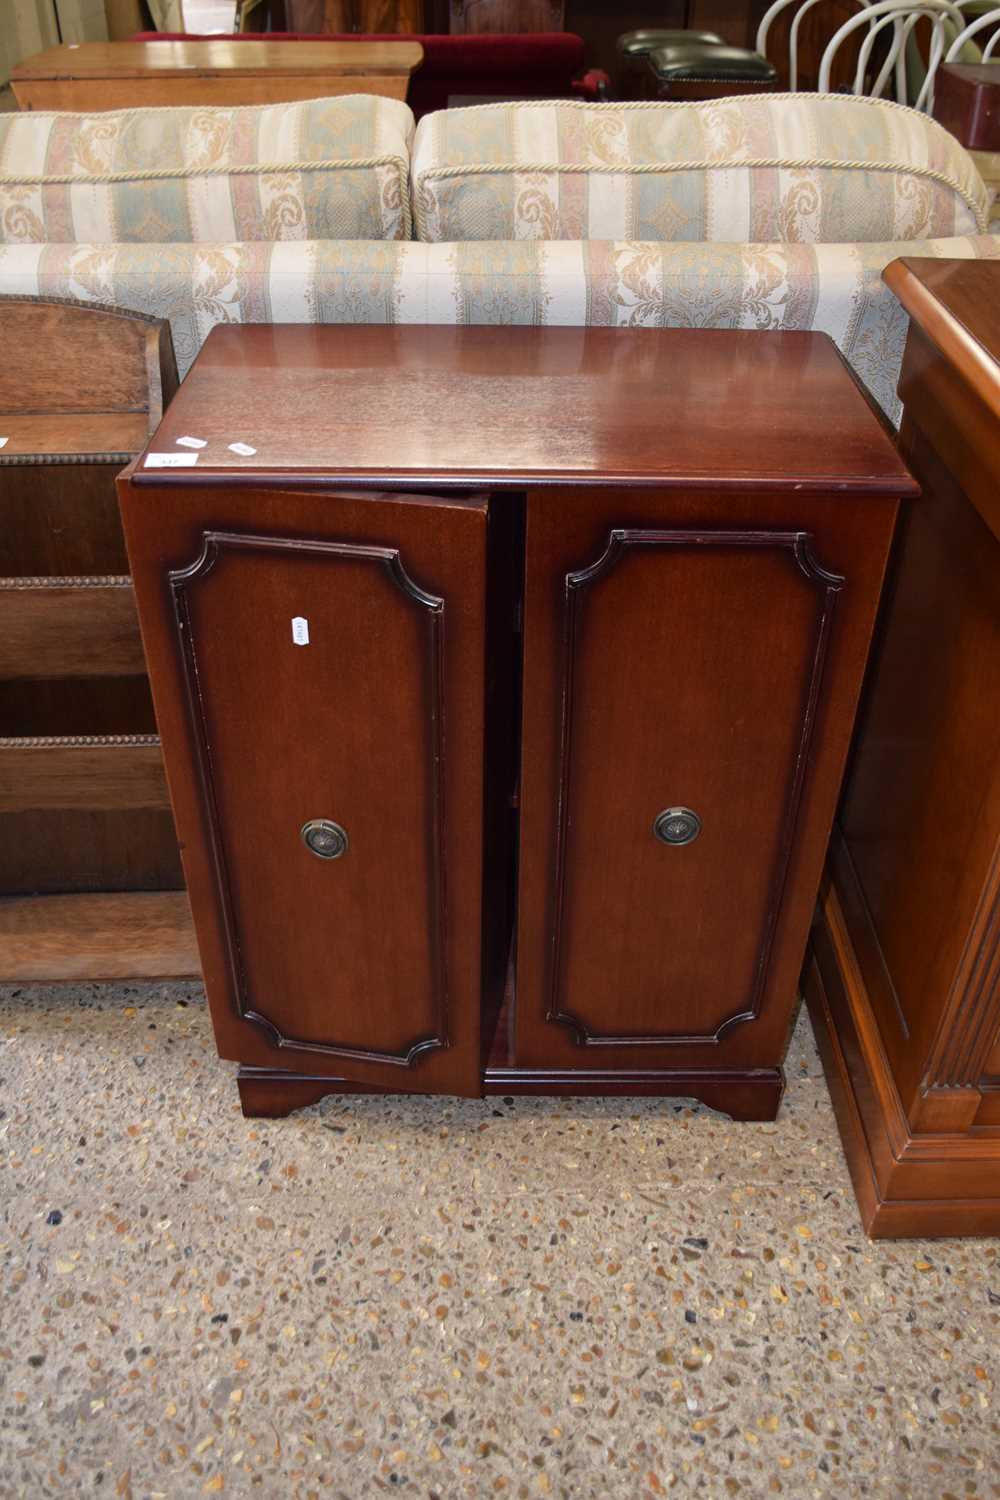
[(450, 406), (967, 102), (125, 75), (82, 794), (375, 724), (718, 640), (136, 59), (907, 956), (673, 590), (955, 305)]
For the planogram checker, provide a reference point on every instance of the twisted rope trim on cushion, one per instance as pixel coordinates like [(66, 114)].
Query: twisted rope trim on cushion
[(241, 169), (626, 169), (611, 104)]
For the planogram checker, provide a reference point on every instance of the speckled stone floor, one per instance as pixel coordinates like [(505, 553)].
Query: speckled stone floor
[(430, 1298)]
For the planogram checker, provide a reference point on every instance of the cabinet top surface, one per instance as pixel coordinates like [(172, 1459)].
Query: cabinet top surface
[(430, 405), (957, 304), (133, 59)]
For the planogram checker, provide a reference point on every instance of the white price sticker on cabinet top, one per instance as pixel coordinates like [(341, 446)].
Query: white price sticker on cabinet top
[(243, 449), (170, 460), (190, 442)]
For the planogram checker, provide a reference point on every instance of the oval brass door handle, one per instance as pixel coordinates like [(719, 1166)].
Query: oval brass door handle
[(324, 838), (677, 825)]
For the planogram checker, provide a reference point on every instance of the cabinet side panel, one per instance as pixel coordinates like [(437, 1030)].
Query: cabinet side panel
[(923, 799)]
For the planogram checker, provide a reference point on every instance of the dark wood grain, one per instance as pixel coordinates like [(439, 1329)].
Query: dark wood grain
[(57, 706), (435, 405), (967, 102), (483, 17), (816, 26), (61, 519), (955, 305), (372, 961), (694, 633), (367, 754), (85, 849), (756, 1095), (712, 670), (636, 925), (907, 952)]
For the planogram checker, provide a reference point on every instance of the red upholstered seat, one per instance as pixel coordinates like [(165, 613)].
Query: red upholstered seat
[(536, 65)]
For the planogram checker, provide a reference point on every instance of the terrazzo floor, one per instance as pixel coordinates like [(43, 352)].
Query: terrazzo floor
[(449, 1299)]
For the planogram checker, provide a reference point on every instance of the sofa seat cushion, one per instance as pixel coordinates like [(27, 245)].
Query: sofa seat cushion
[(319, 169), (800, 168)]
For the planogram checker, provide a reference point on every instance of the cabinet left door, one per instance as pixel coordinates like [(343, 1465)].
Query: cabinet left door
[(317, 663)]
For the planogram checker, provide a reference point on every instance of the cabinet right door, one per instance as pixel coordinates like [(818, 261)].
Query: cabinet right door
[(691, 671)]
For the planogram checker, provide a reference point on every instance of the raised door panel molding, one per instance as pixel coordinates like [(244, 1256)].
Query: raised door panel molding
[(314, 675), (677, 645)]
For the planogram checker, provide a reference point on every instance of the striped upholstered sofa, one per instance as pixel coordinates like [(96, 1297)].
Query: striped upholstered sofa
[(779, 211)]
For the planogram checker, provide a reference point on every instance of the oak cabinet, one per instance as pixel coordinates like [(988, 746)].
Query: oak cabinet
[(505, 698)]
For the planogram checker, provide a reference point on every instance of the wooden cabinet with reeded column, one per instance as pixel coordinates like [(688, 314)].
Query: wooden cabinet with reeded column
[(505, 681), (904, 974)]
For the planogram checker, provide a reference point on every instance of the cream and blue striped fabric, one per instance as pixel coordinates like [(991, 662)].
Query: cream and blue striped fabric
[(836, 289), (322, 169), (782, 168)]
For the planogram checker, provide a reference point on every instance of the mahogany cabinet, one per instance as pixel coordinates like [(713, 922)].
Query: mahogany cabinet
[(505, 678), (904, 973)]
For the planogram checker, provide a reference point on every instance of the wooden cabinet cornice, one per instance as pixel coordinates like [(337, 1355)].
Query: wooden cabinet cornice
[(506, 677)]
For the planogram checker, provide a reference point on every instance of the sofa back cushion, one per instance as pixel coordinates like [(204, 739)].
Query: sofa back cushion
[(802, 168), (320, 169)]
